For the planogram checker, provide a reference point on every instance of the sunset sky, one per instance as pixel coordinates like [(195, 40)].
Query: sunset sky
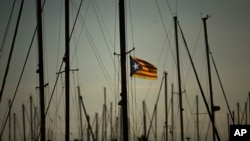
[(150, 30)]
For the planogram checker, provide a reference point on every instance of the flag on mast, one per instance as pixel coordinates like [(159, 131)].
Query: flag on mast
[(142, 69)]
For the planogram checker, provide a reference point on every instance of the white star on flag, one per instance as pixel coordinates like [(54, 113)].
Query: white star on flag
[(136, 66)]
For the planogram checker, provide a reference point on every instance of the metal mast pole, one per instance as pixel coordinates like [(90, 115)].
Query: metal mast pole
[(31, 119), (105, 115), (97, 126), (209, 77), (40, 67), (166, 105), (14, 118), (123, 69), (179, 79), (24, 129), (9, 120), (67, 76), (197, 118), (172, 92)]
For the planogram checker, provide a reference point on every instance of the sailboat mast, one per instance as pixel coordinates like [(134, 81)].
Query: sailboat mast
[(179, 79), (209, 78), (97, 127), (172, 118), (123, 69), (24, 126), (197, 119), (40, 68), (166, 105), (67, 76), (14, 119), (9, 120)]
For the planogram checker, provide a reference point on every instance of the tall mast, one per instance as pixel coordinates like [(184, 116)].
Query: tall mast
[(105, 115), (172, 93), (9, 120), (166, 105), (123, 69), (179, 79), (14, 118), (40, 68), (209, 78), (67, 76), (24, 129), (197, 118), (97, 126)]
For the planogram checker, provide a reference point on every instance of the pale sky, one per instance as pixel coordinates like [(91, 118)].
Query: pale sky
[(94, 42)]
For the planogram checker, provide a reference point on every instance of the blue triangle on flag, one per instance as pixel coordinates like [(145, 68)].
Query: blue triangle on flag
[(134, 65)]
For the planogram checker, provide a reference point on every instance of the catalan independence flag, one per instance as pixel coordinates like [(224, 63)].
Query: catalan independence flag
[(142, 69)]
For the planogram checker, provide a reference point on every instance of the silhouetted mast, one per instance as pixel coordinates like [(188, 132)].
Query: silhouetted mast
[(197, 119), (9, 120), (166, 105), (40, 68), (210, 79), (123, 69), (172, 120), (14, 118), (24, 126), (179, 79), (67, 76), (97, 127)]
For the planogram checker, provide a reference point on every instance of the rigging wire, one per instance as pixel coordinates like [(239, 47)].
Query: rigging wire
[(222, 88), (73, 28), (170, 9), (12, 48), (167, 38), (154, 109), (133, 80), (194, 51), (13, 99), (97, 54), (190, 117), (203, 96), (101, 19), (165, 30), (25, 62), (102, 31), (7, 29)]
